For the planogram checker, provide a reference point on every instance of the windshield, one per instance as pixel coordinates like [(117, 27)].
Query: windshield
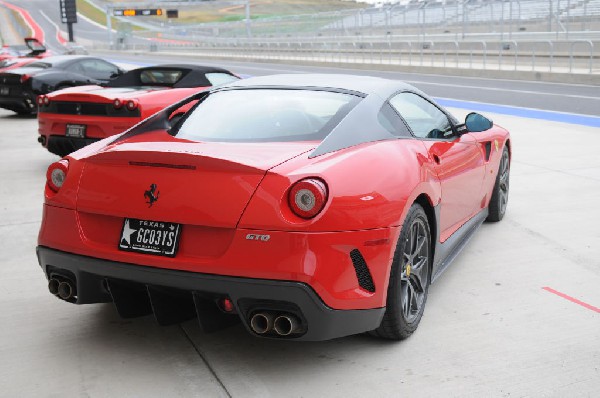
[(266, 115)]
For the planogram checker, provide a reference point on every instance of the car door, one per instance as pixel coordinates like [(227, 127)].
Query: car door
[(458, 159)]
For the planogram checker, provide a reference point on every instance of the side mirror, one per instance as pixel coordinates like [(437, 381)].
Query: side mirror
[(118, 73), (476, 122)]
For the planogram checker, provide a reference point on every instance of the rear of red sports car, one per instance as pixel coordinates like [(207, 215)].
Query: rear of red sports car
[(72, 118), (258, 206)]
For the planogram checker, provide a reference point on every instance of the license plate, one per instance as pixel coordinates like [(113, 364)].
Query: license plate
[(76, 130), (150, 237), (4, 90)]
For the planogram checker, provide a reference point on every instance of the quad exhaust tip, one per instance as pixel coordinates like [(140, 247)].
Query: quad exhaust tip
[(285, 325), (63, 289), (282, 324), (53, 286), (261, 322)]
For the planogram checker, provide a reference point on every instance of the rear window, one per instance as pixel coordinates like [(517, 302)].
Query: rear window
[(266, 115), (217, 79), (162, 77)]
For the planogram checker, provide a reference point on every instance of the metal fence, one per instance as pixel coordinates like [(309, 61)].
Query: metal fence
[(556, 56)]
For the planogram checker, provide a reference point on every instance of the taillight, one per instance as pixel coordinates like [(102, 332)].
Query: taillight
[(56, 174), (131, 105), (24, 78), (117, 104), (43, 100), (308, 197)]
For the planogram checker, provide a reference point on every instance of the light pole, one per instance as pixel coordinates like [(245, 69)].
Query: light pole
[(248, 27)]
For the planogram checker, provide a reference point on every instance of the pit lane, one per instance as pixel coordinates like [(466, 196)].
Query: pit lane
[(489, 329)]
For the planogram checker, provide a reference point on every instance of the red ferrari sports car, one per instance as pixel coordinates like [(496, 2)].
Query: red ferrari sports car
[(72, 118), (306, 207)]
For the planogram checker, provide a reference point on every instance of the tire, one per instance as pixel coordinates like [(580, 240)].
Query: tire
[(409, 278), (499, 200), (26, 112)]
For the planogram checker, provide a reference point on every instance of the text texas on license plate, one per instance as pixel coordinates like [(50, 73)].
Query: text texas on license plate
[(150, 237)]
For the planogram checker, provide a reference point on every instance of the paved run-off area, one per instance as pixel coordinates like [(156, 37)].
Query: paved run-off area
[(490, 329)]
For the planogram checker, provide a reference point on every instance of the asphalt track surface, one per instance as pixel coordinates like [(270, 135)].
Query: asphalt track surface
[(517, 314), (555, 97)]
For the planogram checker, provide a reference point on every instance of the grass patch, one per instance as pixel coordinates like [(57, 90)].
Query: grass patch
[(214, 11), (236, 18), (99, 16)]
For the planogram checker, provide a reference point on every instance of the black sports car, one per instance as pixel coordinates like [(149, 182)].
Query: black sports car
[(19, 87)]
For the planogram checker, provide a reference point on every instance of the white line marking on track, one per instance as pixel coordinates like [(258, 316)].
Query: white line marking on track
[(462, 86)]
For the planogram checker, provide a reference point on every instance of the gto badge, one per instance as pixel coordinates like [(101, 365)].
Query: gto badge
[(263, 238), (496, 145), (151, 195)]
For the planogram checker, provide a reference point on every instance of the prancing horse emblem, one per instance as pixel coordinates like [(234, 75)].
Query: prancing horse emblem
[(151, 195)]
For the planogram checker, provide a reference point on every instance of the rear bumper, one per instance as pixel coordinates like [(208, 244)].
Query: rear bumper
[(20, 104), (248, 295), (62, 145)]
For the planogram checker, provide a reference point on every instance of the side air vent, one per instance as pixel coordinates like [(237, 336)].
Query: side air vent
[(488, 150), (362, 271)]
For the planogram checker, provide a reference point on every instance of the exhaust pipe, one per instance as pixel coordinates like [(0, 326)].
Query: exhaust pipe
[(286, 324), (66, 290), (261, 322), (53, 286)]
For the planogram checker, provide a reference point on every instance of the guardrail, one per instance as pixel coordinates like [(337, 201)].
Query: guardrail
[(554, 56)]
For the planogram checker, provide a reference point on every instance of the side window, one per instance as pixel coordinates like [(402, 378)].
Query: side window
[(390, 120), (98, 69), (76, 67), (424, 119)]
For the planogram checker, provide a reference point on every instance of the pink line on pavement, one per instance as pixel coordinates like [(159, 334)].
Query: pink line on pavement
[(572, 299), (59, 37), (37, 31)]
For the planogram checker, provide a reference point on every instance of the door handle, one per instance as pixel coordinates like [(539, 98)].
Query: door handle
[(436, 159)]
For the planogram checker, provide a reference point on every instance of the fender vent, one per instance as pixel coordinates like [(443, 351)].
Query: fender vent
[(362, 271), (488, 150)]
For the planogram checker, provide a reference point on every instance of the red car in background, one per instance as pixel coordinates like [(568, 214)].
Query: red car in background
[(14, 63), (72, 118), (31, 49), (12, 57), (306, 207)]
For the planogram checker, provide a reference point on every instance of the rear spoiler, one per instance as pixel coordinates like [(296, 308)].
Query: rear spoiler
[(35, 46)]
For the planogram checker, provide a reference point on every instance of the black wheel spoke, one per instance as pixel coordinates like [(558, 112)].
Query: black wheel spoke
[(418, 273), (405, 299), (420, 242), (413, 306)]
